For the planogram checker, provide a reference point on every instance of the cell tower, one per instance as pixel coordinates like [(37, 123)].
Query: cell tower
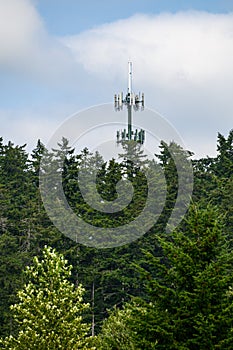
[(133, 102)]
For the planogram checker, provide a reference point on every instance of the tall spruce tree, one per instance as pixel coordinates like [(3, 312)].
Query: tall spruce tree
[(189, 303)]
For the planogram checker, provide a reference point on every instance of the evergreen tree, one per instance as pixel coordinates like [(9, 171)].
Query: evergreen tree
[(178, 173), (188, 304), (224, 163), (50, 308), (12, 262), (109, 275)]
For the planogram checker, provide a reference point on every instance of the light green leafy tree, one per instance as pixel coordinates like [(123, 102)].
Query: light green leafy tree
[(116, 332), (50, 308)]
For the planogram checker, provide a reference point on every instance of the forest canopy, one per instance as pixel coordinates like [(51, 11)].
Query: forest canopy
[(161, 290)]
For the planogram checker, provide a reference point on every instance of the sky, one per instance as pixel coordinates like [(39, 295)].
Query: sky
[(58, 57)]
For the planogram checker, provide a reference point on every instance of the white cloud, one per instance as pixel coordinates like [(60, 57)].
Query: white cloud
[(26, 47), (19, 26), (183, 48), (183, 61)]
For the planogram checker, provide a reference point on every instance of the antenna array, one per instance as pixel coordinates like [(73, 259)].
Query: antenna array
[(133, 102)]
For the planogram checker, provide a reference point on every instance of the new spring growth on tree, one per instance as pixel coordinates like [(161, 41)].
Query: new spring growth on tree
[(50, 308)]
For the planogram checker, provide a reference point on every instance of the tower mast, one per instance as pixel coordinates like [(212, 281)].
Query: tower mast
[(132, 101), (129, 105)]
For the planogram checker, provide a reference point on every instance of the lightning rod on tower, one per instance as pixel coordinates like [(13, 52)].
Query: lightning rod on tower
[(132, 101)]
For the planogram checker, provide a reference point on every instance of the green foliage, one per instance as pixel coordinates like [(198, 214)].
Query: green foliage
[(190, 305), (224, 163), (25, 228), (126, 329), (50, 308), (12, 263), (174, 161), (116, 333)]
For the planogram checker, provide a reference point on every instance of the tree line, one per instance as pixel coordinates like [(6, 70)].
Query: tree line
[(161, 291)]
